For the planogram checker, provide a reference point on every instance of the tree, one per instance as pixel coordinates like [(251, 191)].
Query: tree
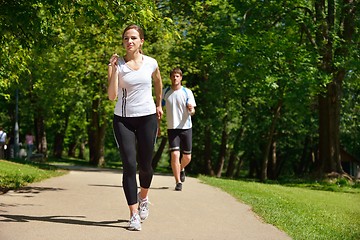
[(67, 49), (258, 55), (332, 35)]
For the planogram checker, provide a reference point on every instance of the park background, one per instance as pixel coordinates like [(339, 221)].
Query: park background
[(276, 82)]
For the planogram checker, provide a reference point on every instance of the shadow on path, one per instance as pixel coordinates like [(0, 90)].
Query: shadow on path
[(30, 189), (61, 219), (120, 186)]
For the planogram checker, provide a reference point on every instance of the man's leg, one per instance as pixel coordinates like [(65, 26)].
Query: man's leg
[(185, 160), (175, 165), (186, 146)]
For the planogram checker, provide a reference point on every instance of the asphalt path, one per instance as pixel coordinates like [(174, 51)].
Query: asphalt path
[(89, 204)]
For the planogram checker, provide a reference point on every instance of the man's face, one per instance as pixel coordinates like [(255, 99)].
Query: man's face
[(176, 79)]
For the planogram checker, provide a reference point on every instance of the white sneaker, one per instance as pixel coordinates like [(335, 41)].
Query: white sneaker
[(143, 208), (135, 223)]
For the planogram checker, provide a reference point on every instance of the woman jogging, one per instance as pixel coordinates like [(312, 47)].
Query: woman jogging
[(136, 117)]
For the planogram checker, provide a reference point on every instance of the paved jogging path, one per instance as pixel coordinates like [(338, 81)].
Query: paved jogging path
[(89, 204)]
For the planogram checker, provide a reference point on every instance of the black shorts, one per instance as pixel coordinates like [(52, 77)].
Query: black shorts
[(180, 140)]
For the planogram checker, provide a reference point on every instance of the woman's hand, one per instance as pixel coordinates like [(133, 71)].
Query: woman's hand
[(113, 60), (112, 77), (159, 112)]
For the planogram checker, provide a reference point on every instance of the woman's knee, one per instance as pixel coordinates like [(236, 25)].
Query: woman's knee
[(129, 168)]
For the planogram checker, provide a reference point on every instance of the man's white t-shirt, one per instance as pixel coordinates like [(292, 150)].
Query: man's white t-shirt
[(135, 89), (177, 114)]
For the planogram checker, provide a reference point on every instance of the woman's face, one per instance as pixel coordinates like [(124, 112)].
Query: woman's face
[(132, 41)]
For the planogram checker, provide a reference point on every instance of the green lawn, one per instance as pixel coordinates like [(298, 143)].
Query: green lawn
[(17, 174), (302, 212)]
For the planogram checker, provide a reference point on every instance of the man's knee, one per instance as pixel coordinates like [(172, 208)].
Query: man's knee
[(187, 157), (175, 153)]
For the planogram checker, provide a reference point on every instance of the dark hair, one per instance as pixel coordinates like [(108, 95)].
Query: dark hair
[(137, 28), (176, 70)]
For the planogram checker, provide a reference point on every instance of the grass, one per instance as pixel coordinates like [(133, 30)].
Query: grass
[(311, 211), (299, 210), (16, 174)]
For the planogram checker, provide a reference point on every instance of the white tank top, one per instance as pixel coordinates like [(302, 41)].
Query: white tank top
[(135, 89)]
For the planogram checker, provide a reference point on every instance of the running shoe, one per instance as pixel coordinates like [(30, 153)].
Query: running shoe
[(182, 176), (135, 223), (178, 187), (143, 208)]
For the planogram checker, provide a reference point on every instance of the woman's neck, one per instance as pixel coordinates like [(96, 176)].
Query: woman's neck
[(134, 61), (136, 57)]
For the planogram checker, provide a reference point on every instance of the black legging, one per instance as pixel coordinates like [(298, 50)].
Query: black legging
[(135, 137)]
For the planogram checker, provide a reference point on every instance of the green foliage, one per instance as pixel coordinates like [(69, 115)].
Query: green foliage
[(240, 58), (350, 128), (64, 63)]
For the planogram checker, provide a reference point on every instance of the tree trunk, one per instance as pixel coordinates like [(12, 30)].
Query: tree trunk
[(72, 149), (329, 103), (82, 150), (58, 144), (59, 137), (272, 167), (230, 170), (329, 132), (223, 148), (233, 154), (238, 167), (159, 152), (40, 134), (96, 132), (207, 152), (269, 141), (254, 168), (301, 168)]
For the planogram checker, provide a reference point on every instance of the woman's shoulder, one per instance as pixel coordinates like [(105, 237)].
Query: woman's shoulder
[(150, 59)]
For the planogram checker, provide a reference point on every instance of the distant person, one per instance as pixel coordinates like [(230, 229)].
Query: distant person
[(136, 117), (2, 143), (9, 151), (180, 106), (29, 141)]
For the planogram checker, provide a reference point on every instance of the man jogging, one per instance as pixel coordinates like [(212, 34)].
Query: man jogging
[(180, 106)]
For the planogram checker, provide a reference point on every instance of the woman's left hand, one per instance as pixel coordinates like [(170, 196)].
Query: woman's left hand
[(159, 112)]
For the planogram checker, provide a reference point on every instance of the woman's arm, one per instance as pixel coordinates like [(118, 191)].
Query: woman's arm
[(113, 78), (158, 91)]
